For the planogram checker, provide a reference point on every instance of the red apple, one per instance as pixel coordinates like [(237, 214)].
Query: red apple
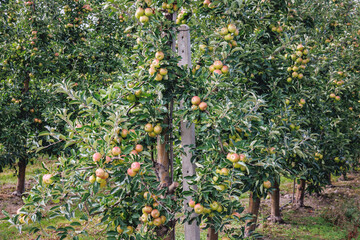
[(139, 148), (100, 173), (202, 106), (131, 172), (116, 151), (192, 203), (198, 208), (195, 100), (97, 156), (218, 64), (155, 213)]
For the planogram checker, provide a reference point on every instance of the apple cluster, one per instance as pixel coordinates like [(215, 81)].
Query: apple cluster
[(181, 17), (235, 158), (134, 169), (143, 15), (37, 120), (152, 216), (153, 131), (229, 33), (155, 69), (299, 59), (278, 29), (169, 7), (100, 176), (200, 209), (318, 156), (129, 230), (333, 96), (198, 104), (219, 68)]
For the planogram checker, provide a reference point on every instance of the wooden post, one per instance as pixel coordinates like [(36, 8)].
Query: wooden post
[(192, 231)]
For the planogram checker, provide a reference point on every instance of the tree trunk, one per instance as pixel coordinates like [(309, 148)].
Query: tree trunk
[(275, 204), (254, 205), (212, 235), (20, 188), (300, 193)]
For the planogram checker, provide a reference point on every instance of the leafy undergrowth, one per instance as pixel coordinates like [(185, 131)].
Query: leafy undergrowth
[(335, 214)]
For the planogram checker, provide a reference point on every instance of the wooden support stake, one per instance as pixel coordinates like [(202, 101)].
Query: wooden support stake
[(192, 231)]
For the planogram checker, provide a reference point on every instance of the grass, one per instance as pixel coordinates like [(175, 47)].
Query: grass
[(305, 228)]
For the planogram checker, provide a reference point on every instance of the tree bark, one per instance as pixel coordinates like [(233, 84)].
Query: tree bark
[(20, 188), (212, 235), (300, 193), (275, 204), (254, 205)]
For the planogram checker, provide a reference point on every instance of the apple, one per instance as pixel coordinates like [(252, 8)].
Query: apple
[(225, 69), (163, 71), (155, 213), (159, 55), (139, 148), (155, 63), (157, 129), (149, 12), (225, 238), (242, 157), (47, 179), (139, 12), (224, 171), (92, 179), (97, 156), (152, 134), (192, 203), (129, 230), (131, 172), (300, 47), (138, 93), (267, 184), (302, 101), (229, 37), (212, 68), (202, 106), (220, 208), (194, 107), (224, 31), (116, 151), (147, 209), (135, 166), (144, 217), (100, 180), (206, 2), (214, 205), (157, 221), (195, 100), (144, 19), (100, 173), (234, 158), (163, 219), (152, 71), (337, 98), (218, 72), (231, 28), (198, 208), (108, 159), (218, 64), (294, 74), (158, 77), (300, 76), (119, 230)]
